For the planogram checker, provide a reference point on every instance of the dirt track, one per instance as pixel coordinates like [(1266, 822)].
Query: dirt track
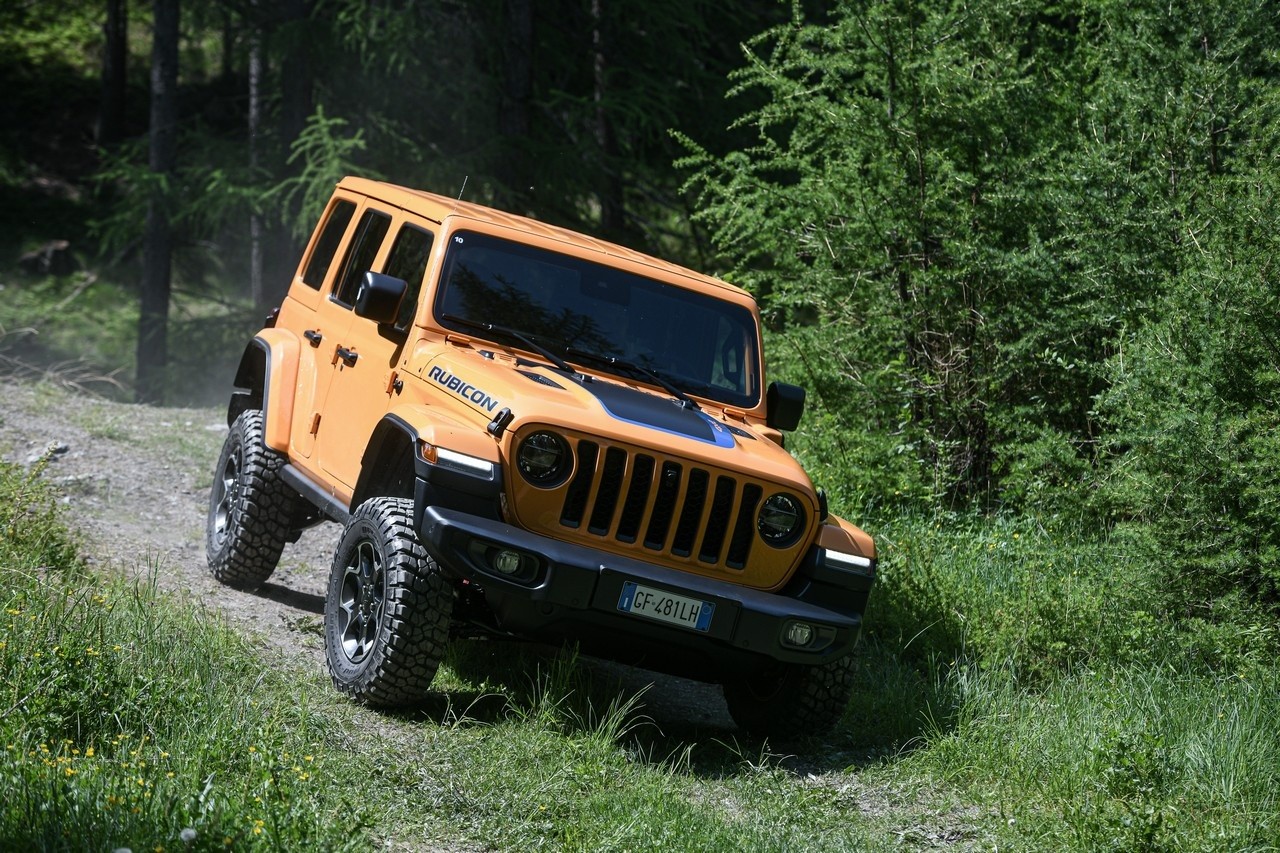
[(135, 480)]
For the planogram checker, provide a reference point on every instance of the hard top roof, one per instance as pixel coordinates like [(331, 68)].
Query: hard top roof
[(438, 208)]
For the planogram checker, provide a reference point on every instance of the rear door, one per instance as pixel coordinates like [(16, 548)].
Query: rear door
[(307, 310)]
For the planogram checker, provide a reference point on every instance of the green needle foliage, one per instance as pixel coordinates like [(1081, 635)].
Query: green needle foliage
[(1021, 256)]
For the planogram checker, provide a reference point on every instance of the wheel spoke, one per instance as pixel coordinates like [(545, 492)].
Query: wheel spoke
[(227, 493), (346, 618), (360, 603)]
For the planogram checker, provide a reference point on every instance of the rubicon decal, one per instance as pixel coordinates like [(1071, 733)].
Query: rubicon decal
[(465, 390)]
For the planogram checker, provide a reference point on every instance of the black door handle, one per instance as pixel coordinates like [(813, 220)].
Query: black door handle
[(313, 336), (348, 356)]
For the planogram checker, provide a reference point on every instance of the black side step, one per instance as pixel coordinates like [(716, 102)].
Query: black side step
[(316, 494)]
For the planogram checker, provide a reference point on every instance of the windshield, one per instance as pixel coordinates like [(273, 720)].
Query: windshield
[(700, 344)]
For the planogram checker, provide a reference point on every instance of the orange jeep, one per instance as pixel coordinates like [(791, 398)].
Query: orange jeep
[(527, 432)]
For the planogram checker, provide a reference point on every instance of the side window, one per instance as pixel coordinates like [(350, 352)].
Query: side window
[(364, 248), (408, 260), (322, 255)]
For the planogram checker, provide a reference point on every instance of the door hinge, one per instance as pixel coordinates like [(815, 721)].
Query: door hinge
[(315, 423)]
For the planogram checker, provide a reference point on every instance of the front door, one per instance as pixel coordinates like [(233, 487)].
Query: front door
[(369, 353)]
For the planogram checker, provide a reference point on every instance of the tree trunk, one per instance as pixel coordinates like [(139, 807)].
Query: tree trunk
[(515, 103), (612, 206), (153, 316), (256, 286), (228, 70), (115, 55), (297, 78), (297, 101)]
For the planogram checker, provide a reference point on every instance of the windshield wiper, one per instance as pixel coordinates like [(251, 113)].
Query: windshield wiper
[(638, 370), (516, 335)]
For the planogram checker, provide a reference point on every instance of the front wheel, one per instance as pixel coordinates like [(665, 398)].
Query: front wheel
[(787, 701), (386, 615)]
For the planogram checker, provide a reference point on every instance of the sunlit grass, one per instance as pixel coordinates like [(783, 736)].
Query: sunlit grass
[(126, 721), (1130, 758)]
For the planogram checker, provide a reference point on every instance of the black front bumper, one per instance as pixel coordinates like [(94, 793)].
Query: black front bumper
[(574, 593)]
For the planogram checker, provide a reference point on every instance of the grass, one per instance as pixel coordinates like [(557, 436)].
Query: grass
[(129, 717), (127, 721), (1135, 758)]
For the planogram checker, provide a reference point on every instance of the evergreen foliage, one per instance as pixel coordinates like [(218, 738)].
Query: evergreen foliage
[(1193, 401), (969, 226)]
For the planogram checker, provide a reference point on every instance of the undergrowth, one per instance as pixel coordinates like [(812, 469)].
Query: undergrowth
[(78, 331), (128, 722)]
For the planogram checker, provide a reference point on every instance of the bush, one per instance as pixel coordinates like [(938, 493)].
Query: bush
[(1029, 598), (1195, 417)]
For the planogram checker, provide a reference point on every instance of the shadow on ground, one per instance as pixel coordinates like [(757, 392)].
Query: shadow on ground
[(897, 703), (671, 720)]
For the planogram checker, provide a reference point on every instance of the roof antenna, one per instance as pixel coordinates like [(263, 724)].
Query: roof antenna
[(461, 191)]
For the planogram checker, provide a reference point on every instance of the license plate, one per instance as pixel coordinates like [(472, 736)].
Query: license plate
[(665, 606)]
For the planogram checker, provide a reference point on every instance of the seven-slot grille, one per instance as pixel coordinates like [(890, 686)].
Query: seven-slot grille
[(662, 504)]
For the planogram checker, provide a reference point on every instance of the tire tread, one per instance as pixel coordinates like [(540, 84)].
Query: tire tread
[(260, 522), (415, 632), (801, 700)]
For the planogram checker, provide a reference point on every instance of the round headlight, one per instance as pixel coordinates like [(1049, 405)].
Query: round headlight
[(543, 459), (781, 520)]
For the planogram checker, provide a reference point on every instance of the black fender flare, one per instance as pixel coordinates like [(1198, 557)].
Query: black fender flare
[(382, 472)]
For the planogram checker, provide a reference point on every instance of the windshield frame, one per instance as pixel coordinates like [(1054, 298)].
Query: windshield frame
[(735, 318)]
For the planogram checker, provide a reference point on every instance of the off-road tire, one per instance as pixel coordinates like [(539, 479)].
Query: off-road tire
[(386, 614), (790, 702), (249, 507)]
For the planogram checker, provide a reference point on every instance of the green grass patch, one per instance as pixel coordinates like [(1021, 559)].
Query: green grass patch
[(127, 720), (1034, 598), (1131, 758)]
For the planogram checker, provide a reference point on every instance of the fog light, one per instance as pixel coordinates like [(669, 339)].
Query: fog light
[(507, 562), (798, 634)]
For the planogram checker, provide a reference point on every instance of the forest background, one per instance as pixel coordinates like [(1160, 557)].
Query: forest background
[(1022, 256)]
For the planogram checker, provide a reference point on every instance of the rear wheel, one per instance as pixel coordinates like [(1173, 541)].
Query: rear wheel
[(249, 507), (789, 701), (386, 615)]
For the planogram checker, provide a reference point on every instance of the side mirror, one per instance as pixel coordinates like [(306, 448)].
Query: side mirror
[(378, 298), (785, 405)]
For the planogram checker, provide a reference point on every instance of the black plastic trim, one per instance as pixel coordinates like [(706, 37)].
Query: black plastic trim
[(252, 385), (439, 485), (576, 593), (315, 494)]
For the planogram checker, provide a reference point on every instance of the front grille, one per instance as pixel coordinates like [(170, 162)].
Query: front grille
[(666, 505)]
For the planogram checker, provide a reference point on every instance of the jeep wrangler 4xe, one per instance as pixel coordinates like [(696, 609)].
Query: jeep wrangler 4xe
[(527, 432)]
